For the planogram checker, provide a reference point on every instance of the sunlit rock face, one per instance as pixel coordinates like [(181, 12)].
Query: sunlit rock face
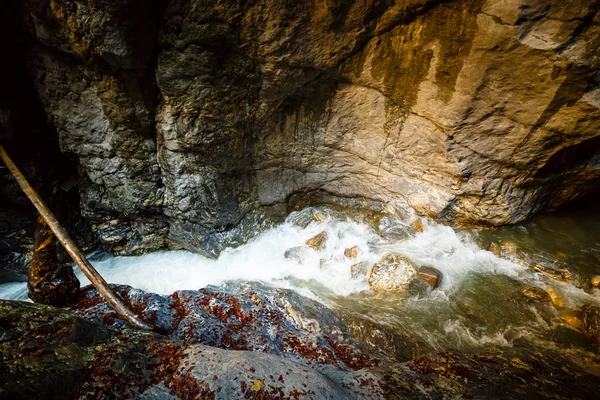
[(196, 121)]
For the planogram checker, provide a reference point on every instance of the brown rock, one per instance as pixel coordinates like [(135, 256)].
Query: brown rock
[(537, 294), (317, 242), (352, 252), (48, 281), (563, 274), (430, 275), (417, 225), (573, 321), (591, 321), (393, 273)]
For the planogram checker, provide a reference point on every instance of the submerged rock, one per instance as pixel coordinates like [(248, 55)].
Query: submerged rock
[(296, 253), (400, 344), (318, 242), (393, 273), (556, 299), (509, 248), (563, 274), (360, 270), (536, 293), (496, 249)]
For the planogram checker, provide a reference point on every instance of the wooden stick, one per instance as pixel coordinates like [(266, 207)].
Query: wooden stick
[(88, 270)]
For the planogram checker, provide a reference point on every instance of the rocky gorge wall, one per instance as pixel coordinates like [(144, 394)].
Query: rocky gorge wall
[(195, 123)]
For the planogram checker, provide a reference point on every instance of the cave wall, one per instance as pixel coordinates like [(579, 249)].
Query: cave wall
[(196, 122)]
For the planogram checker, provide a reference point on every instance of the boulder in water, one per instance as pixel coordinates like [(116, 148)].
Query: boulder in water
[(307, 216), (318, 242), (394, 229), (430, 275), (49, 281), (295, 253), (352, 252), (393, 273)]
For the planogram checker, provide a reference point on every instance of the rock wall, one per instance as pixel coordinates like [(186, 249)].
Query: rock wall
[(196, 122)]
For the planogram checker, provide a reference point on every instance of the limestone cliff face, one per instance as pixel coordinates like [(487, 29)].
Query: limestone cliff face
[(194, 121)]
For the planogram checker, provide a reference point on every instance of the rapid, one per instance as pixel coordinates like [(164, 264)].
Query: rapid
[(477, 303)]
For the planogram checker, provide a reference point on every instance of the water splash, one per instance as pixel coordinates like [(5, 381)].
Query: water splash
[(478, 302), (263, 260)]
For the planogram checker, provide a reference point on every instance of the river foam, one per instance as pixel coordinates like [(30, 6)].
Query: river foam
[(263, 260)]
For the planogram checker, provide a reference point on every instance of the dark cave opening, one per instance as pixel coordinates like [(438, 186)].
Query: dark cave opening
[(33, 144)]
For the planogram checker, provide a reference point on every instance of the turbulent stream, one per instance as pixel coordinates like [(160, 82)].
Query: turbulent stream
[(478, 303)]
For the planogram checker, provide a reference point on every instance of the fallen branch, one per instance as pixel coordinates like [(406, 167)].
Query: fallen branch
[(88, 270)]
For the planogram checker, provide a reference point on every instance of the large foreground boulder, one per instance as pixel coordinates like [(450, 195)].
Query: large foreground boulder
[(46, 353)]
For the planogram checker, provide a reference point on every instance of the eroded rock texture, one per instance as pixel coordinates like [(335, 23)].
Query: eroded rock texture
[(195, 122)]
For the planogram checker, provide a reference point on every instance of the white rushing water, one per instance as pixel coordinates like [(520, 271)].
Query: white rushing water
[(262, 260), (473, 279)]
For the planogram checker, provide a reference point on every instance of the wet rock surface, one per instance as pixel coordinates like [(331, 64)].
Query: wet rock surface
[(241, 317), (318, 242), (48, 353), (49, 281), (430, 275)]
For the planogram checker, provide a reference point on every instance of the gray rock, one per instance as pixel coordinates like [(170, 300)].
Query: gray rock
[(394, 229), (296, 253), (360, 270)]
